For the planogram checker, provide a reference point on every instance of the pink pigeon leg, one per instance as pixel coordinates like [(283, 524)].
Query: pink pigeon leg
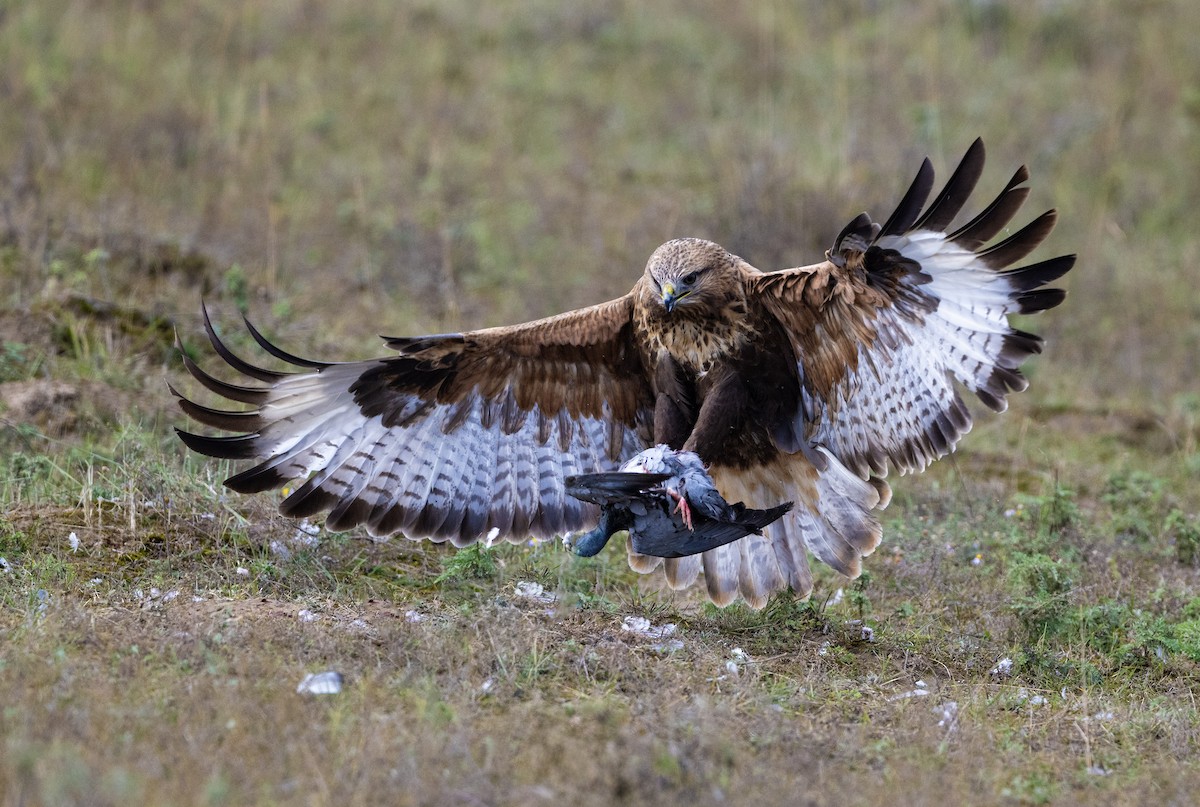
[(682, 507)]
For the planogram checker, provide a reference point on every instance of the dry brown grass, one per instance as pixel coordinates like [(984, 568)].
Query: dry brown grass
[(188, 702)]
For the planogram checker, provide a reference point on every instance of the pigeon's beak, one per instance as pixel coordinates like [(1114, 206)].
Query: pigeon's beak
[(669, 297)]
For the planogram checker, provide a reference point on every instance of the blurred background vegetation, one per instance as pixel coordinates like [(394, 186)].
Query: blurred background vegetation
[(346, 169)]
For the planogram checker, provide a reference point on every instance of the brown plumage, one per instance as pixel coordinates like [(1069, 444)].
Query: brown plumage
[(802, 385)]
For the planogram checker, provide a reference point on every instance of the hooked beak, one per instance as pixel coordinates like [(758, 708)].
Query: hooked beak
[(669, 298)]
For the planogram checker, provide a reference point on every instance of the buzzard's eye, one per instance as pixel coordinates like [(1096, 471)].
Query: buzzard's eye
[(689, 278)]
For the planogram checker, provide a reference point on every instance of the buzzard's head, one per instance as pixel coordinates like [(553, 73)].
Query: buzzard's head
[(689, 271)]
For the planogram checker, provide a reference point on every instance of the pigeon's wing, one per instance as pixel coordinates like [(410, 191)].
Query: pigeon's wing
[(661, 534), (613, 486)]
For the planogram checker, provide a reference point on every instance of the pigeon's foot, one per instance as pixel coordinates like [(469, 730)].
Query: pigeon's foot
[(682, 508)]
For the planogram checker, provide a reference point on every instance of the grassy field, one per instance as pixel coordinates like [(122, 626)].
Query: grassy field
[(1029, 632)]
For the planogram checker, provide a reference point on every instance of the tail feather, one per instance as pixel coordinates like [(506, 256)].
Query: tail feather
[(642, 564), (791, 554), (759, 575), (722, 570), (682, 572)]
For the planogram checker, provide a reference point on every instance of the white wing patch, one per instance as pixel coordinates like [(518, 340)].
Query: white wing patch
[(900, 405)]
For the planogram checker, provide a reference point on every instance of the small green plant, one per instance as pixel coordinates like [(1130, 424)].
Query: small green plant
[(237, 286), (18, 362), (1056, 511), (474, 562), (1041, 588), (1186, 532), (858, 595), (1136, 501), (12, 539), (1036, 788), (1040, 522)]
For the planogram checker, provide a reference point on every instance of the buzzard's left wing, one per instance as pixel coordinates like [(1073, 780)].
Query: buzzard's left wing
[(898, 312)]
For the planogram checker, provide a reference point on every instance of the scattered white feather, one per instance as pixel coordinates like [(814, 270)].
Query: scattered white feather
[(1026, 699), (1003, 668), (73, 540), (948, 714), (306, 615), (322, 683), (530, 590), (919, 692), (156, 598), (640, 626), (866, 633)]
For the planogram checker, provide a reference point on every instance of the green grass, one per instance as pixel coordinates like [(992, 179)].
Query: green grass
[(340, 170)]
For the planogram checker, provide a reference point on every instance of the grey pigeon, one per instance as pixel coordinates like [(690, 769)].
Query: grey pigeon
[(668, 503)]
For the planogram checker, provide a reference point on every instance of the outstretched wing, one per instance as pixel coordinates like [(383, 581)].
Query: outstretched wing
[(456, 437), (883, 327)]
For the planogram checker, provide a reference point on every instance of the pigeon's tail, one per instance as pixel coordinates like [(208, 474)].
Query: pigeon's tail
[(611, 487), (758, 519)]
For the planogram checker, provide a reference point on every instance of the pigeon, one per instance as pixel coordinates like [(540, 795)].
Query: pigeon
[(668, 503)]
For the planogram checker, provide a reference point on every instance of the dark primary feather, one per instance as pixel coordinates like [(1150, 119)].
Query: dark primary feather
[(958, 189), (910, 206), (993, 218)]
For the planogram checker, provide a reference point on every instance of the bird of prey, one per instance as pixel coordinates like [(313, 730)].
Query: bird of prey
[(668, 504), (804, 385)]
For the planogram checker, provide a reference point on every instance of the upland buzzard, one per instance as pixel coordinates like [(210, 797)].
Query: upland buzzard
[(803, 385)]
